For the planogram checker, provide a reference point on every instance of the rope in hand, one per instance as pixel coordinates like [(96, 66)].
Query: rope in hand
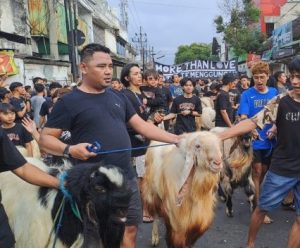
[(96, 148)]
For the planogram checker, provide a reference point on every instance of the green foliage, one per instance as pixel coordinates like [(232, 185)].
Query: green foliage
[(240, 31), (192, 52)]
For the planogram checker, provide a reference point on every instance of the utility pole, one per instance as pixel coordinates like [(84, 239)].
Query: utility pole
[(52, 27), (141, 40), (124, 13), (70, 34)]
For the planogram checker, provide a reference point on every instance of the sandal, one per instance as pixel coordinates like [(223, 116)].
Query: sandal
[(288, 206), (147, 219)]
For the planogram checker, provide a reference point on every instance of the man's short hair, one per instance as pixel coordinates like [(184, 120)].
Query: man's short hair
[(6, 107), (39, 88), (149, 73), (54, 85), (228, 78), (3, 92), (185, 80), (260, 67), (36, 79), (88, 51), (294, 65), (244, 76), (15, 85)]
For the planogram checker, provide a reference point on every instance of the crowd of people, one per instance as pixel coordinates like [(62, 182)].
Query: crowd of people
[(143, 106)]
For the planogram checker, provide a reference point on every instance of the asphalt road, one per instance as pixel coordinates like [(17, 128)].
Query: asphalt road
[(232, 232)]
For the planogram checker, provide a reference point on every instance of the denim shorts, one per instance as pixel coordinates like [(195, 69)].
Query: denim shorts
[(135, 212), (274, 188)]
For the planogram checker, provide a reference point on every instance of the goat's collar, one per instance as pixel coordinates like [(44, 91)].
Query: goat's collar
[(62, 180)]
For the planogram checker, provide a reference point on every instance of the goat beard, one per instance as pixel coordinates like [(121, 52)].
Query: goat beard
[(101, 232), (237, 163), (91, 228)]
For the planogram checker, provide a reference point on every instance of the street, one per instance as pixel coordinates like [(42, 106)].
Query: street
[(232, 232)]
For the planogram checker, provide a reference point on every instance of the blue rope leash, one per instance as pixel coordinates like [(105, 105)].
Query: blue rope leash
[(96, 148), (59, 225)]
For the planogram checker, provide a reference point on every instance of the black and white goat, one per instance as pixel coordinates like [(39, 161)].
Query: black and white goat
[(236, 172), (101, 196)]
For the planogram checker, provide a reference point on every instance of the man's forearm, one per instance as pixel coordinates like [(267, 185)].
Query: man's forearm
[(239, 129), (29, 149), (34, 175), (51, 144), (226, 118), (152, 132)]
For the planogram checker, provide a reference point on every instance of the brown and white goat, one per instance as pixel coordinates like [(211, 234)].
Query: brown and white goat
[(236, 172), (179, 186)]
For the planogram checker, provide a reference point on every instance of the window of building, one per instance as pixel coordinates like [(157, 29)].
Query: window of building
[(269, 29), (121, 48)]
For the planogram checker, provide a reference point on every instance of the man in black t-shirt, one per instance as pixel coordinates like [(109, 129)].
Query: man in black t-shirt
[(223, 105), (284, 173), (185, 108), (11, 159), (17, 89), (92, 113)]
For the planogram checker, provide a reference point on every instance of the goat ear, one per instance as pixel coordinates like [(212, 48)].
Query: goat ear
[(90, 227), (188, 165)]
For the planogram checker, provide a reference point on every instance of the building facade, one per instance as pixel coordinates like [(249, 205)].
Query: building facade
[(35, 37)]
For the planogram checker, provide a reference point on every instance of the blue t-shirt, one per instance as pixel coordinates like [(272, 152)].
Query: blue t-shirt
[(176, 90), (96, 117), (251, 103)]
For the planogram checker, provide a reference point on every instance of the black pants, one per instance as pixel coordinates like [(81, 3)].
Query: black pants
[(7, 239)]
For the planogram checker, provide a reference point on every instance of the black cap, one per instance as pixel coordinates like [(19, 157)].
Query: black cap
[(15, 85), (228, 78)]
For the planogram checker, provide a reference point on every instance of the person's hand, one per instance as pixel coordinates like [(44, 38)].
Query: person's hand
[(255, 134), (270, 135), (158, 118), (29, 124), (80, 151), (185, 112)]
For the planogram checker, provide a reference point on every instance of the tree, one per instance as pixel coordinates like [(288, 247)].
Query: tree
[(240, 31), (193, 52)]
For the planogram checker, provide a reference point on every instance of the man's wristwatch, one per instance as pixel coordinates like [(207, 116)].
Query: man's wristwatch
[(66, 153)]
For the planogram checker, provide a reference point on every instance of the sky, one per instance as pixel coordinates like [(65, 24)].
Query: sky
[(171, 23)]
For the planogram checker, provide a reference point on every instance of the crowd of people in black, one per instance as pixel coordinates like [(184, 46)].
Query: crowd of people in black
[(137, 108)]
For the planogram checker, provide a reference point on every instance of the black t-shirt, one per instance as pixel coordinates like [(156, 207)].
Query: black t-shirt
[(46, 106), (96, 117), (18, 104), (154, 97), (185, 124), (222, 103), (286, 156), (136, 139), (10, 157), (18, 135), (167, 98)]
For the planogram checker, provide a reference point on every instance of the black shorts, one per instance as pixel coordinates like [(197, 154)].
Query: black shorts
[(262, 156), (135, 213), (7, 239)]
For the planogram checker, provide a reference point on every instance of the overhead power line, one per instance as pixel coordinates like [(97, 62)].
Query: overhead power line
[(174, 5)]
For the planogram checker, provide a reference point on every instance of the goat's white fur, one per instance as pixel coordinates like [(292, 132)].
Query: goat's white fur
[(113, 174), (21, 203)]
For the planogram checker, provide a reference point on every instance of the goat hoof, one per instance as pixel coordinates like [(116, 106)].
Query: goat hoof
[(222, 198), (229, 213), (155, 241)]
